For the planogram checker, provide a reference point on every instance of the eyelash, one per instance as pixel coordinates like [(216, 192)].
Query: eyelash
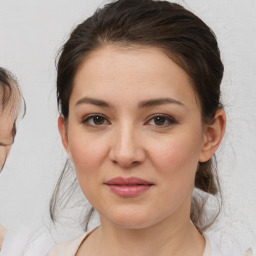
[(87, 119), (168, 121)]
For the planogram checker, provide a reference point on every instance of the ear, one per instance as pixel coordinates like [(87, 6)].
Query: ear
[(63, 133), (213, 135)]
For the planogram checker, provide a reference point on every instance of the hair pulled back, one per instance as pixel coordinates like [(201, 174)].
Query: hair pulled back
[(184, 37)]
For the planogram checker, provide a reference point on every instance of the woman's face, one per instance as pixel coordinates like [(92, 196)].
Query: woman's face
[(135, 135), (8, 116)]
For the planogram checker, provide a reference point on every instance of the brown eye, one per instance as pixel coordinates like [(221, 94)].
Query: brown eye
[(95, 120), (159, 120), (98, 120)]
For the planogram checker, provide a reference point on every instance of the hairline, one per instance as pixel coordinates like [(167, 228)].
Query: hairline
[(176, 58)]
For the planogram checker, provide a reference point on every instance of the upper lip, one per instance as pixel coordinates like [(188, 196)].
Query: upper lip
[(131, 181)]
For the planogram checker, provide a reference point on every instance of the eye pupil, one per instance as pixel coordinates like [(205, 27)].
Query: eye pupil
[(98, 120), (159, 120)]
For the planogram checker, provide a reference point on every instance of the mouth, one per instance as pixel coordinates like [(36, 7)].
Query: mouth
[(128, 187)]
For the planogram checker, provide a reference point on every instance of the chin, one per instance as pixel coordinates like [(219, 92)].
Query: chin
[(131, 220), (131, 224)]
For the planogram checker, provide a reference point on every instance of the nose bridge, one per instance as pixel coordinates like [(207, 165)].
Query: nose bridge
[(126, 148), (125, 138)]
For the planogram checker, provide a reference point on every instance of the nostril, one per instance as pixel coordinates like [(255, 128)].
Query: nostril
[(126, 164), (125, 150)]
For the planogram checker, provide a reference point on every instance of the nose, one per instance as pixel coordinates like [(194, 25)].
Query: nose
[(126, 148)]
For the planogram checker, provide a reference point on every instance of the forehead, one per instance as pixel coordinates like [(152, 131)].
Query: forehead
[(9, 101), (140, 71), (8, 115)]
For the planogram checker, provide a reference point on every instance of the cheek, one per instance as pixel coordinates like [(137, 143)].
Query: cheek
[(88, 154), (175, 162), (176, 158), (87, 158)]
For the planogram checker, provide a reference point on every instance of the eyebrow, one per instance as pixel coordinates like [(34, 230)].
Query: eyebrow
[(160, 101), (143, 104), (97, 102), (4, 145)]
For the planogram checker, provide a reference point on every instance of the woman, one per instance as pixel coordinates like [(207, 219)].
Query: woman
[(10, 99), (22, 240), (138, 89)]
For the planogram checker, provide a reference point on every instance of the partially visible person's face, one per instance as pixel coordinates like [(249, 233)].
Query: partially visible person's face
[(8, 117), (135, 135)]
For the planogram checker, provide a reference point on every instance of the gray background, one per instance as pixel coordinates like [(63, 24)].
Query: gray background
[(32, 31)]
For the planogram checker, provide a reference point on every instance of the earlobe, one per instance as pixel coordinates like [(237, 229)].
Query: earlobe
[(63, 133), (213, 135)]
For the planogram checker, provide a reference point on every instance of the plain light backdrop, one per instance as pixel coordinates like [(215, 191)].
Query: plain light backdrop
[(31, 32)]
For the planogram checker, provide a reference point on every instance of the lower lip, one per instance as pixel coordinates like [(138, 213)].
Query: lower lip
[(129, 191)]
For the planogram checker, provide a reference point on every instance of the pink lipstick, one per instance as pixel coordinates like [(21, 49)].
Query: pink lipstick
[(128, 187)]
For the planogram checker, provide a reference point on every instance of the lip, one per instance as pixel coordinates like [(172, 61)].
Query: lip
[(128, 187)]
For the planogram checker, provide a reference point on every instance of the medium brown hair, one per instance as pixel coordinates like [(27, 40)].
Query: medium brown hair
[(184, 37)]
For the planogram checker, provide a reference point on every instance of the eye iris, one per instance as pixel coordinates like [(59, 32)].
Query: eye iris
[(98, 120), (159, 120)]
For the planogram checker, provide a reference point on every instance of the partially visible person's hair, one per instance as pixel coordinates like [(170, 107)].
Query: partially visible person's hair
[(10, 94), (184, 37), (6, 84)]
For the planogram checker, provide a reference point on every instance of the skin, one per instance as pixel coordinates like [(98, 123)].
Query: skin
[(8, 117), (3, 233), (149, 126)]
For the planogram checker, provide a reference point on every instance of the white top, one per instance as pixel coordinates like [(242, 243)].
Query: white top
[(212, 248), (25, 241)]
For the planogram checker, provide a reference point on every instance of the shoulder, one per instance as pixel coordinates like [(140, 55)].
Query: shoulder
[(251, 251), (3, 232), (68, 248), (222, 245), (28, 240)]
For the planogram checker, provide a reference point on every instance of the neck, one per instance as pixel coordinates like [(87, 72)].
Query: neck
[(163, 239)]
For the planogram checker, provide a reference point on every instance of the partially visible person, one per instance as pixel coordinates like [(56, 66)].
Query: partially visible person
[(26, 240), (3, 233), (10, 101)]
